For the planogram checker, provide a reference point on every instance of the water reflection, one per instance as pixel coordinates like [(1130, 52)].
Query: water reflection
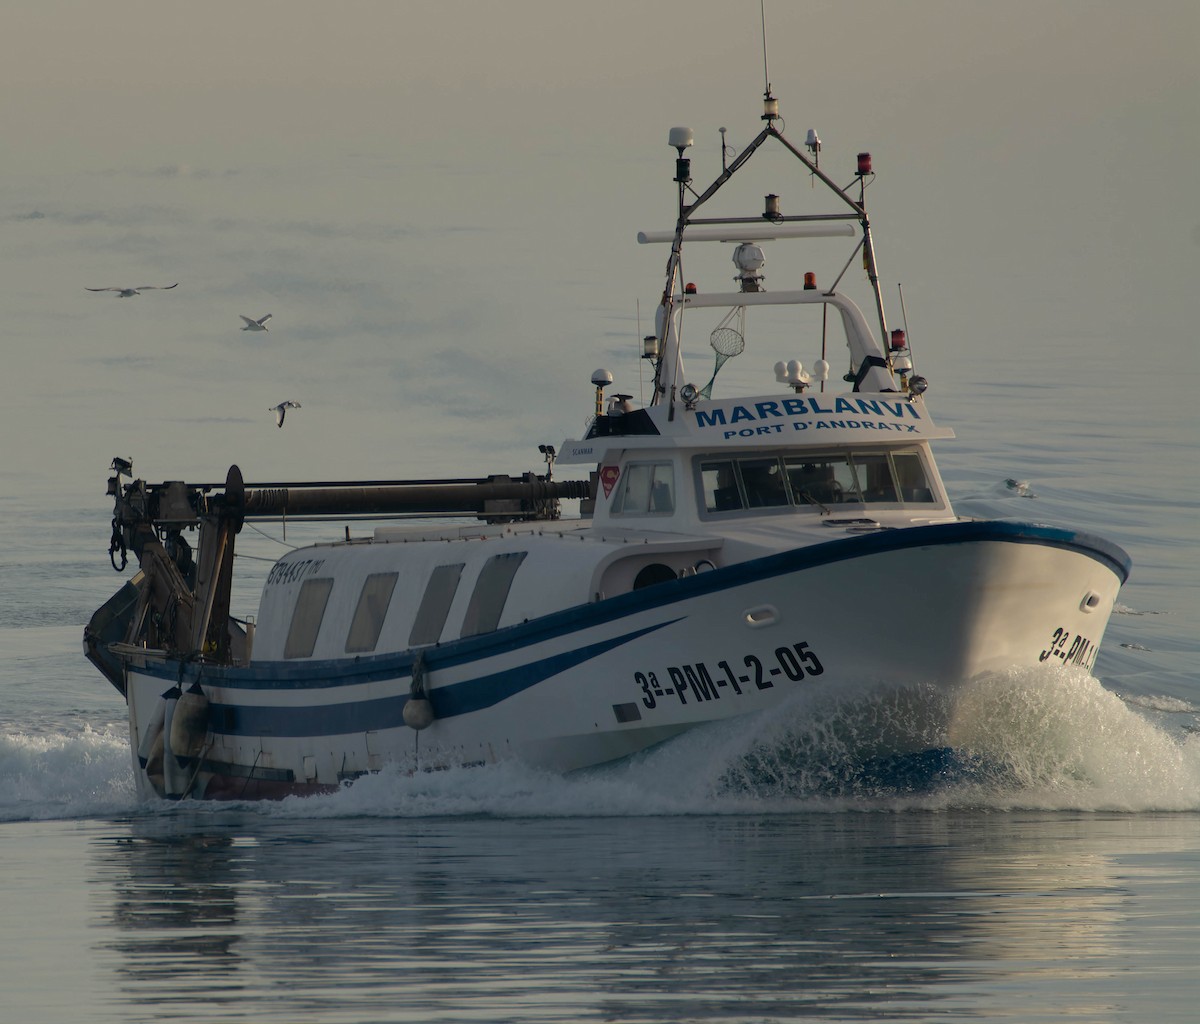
[(859, 916)]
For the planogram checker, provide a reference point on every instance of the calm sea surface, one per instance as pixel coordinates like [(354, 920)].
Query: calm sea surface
[(717, 879)]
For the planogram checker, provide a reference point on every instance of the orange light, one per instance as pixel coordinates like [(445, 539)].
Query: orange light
[(689, 288), (810, 280)]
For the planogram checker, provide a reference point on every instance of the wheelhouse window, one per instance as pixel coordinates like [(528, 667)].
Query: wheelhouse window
[(813, 479), (306, 618), (435, 604), (873, 474), (491, 591), (372, 608), (763, 482), (911, 477), (820, 480), (647, 488), (719, 481)]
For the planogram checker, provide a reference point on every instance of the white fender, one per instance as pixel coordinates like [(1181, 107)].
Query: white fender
[(418, 713), (189, 726), (152, 737), (175, 777)]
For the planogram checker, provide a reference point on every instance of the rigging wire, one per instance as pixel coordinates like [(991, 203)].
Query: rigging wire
[(290, 547)]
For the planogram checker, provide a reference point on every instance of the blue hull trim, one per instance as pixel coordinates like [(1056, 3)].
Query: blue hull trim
[(388, 712), (476, 694)]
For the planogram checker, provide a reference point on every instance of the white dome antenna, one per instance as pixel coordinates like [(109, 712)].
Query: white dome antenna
[(813, 142), (681, 139), (749, 259), (601, 379)]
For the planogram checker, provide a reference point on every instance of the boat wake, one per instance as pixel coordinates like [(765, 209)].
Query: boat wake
[(1036, 739), (1046, 739), (65, 774)]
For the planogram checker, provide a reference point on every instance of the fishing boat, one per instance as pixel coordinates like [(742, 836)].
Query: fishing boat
[(730, 551)]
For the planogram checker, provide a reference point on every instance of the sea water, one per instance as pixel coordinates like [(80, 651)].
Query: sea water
[(746, 874)]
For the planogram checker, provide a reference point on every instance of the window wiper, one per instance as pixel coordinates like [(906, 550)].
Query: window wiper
[(804, 493)]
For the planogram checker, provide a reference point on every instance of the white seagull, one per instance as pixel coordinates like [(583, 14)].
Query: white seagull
[(281, 409), (125, 293), (256, 325)]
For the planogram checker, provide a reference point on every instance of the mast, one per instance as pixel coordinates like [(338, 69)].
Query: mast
[(668, 367)]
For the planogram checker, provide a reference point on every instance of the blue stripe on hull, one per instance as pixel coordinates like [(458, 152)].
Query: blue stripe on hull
[(388, 712), (476, 694)]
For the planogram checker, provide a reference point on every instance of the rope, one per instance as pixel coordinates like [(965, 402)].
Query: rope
[(117, 544)]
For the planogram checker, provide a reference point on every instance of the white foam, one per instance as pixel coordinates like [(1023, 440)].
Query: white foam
[(65, 775), (1048, 738), (1167, 705), (1124, 609), (1068, 743)]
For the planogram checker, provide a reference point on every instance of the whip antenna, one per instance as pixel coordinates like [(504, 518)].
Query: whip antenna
[(904, 317), (770, 103), (641, 375), (762, 7)]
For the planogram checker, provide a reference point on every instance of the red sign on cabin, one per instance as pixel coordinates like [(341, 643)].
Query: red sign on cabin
[(608, 478)]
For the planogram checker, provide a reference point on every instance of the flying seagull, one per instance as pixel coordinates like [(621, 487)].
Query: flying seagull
[(281, 409), (125, 293), (256, 325)]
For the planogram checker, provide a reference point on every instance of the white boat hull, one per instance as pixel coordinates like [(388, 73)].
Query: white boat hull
[(902, 610)]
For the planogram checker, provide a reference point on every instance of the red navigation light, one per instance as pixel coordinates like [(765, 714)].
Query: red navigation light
[(689, 288), (899, 341), (864, 163), (810, 280)]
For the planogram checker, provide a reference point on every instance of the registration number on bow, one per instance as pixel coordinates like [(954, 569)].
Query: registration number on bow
[(1070, 648), (698, 682)]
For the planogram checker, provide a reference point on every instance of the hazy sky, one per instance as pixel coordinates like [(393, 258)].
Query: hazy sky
[(438, 202)]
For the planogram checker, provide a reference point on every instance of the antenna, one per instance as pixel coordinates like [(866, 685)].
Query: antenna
[(904, 316), (641, 375), (901, 356), (762, 7), (770, 103)]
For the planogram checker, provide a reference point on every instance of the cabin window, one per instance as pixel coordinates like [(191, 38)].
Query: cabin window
[(647, 488), (875, 480), (720, 484), (491, 591), (910, 475), (306, 618), (820, 480), (762, 481), (372, 607), (813, 479), (435, 604)]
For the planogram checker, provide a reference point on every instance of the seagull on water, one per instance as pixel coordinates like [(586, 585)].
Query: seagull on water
[(256, 325), (281, 409), (125, 293)]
